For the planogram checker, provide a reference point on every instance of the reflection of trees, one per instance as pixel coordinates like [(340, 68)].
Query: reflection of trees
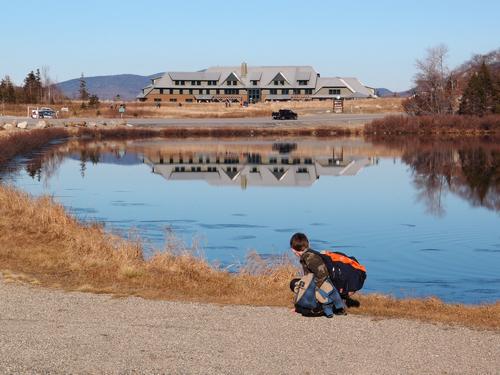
[(481, 172), (432, 173), (472, 171)]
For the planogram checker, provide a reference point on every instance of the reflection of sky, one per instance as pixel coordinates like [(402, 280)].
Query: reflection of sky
[(374, 216)]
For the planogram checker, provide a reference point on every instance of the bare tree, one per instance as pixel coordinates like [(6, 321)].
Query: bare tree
[(435, 88)]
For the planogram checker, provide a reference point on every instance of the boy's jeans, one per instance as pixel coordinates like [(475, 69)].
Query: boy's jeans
[(329, 297)]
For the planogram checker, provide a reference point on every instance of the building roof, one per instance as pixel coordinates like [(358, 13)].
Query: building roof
[(264, 75), (356, 86)]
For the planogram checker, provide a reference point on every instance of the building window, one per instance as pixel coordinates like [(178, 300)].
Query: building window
[(285, 91), (157, 100), (189, 100), (273, 92), (183, 83), (276, 83), (198, 83), (171, 91), (181, 91), (200, 91), (176, 83), (334, 91), (296, 91), (308, 91), (231, 91), (303, 82), (173, 100), (161, 91), (190, 91), (193, 83), (207, 91), (217, 92), (254, 83)]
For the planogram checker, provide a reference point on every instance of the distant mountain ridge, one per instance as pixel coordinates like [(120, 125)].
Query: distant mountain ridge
[(128, 86), (382, 92)]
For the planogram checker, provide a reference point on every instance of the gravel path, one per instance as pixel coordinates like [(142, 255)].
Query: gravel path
[(47, 331)]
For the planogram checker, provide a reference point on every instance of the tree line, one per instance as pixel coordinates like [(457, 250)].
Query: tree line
[(38, 88), (471, 89)]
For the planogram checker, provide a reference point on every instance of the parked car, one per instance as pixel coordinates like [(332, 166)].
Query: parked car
[(284, 114), (46, 113)]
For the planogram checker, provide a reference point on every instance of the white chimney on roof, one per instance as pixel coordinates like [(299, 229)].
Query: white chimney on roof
[(244, 69)]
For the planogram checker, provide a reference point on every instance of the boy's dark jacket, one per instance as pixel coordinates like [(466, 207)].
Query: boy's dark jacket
[(312, 262)]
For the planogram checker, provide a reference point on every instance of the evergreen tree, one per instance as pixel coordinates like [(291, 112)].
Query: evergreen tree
[(84, 94), (7, 91), (39, 87), (94, 101), (480, 95), (31, 88)]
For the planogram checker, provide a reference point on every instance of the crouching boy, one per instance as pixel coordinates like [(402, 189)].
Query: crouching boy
[(317, 280)]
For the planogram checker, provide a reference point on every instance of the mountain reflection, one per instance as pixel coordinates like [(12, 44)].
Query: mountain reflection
[(469, 169)]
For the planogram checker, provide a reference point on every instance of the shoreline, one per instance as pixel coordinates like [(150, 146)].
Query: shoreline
[(66, 254)]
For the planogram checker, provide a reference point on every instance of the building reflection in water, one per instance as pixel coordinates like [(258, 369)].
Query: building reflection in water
[(280, 165)]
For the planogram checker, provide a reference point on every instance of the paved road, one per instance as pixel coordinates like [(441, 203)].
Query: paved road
[(44, 331), (313, 119)]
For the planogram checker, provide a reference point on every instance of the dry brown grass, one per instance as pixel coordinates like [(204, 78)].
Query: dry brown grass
[(41, 244), (425, 125), (213, 110)]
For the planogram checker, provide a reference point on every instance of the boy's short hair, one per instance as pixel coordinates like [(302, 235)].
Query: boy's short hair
[(299, 242)]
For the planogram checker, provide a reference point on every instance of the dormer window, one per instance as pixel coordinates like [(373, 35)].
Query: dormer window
[(254, 82), (232, 83), (303, 82), (279, 82)]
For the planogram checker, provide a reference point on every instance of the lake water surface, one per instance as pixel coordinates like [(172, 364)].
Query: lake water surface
[(422, 216)]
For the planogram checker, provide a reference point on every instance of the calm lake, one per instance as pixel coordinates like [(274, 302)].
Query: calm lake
[(423, 217)]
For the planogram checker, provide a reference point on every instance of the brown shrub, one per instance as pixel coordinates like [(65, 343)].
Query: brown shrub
[(452, 124)]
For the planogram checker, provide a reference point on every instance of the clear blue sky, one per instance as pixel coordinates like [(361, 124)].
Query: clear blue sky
[(376, 41)]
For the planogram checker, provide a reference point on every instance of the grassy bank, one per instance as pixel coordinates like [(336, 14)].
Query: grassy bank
[(428, 125), (43, 245), (211, 110)]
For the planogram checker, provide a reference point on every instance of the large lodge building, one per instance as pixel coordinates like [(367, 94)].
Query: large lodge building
[(251, 84)]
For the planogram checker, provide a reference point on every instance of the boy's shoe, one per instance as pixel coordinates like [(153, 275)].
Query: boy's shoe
[(329, 316), (340, 312)]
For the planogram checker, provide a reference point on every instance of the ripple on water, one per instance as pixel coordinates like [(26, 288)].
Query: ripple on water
[(229, 226), (487, 250), (408, 225), (430, 249), (323, 242), (168, 221), (82, 210), (482, 291), (239, 215), (220, 247), (127, 204), (243, 237), (286, 230)]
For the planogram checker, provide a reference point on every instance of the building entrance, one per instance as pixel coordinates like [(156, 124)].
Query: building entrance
[(254, 95)]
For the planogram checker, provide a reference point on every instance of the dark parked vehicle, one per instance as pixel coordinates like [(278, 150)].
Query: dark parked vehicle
[(284, 114), (43, 112)]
